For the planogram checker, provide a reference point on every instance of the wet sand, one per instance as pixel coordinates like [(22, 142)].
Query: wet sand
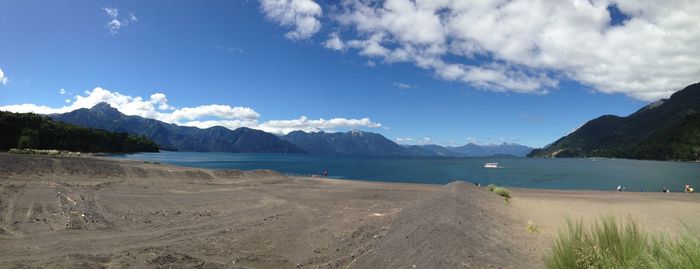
[(88, 212)]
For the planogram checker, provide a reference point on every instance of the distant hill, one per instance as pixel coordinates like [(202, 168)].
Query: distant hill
[(668, 129), (474, 150), (175, 137), (372, 144), (356, 143), (31, 131)]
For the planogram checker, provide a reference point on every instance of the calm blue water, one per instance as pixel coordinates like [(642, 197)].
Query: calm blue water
[(603, 174)]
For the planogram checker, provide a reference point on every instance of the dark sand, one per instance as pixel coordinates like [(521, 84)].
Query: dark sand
[(86, 212)]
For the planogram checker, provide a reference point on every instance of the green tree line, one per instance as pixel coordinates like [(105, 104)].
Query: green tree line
[(32, 131)]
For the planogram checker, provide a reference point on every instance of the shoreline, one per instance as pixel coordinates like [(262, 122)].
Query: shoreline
[(149, 215), (483, 183)]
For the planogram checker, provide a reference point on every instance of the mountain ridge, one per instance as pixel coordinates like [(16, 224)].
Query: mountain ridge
[(174, 137), (373, 144), (246, 140), (667, 129)]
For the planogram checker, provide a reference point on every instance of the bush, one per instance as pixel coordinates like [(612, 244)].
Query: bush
[(607, 244), (532, 227), (490, 187), (502, 192)]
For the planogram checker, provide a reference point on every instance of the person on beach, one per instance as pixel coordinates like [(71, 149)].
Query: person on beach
[(686, 187), (619, 188), (325, 173)]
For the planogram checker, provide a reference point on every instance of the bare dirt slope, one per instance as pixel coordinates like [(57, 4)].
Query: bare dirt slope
[(458, 226), (93, 213)]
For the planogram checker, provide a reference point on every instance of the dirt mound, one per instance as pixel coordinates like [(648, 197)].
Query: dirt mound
[(460, 226), (19, 166)]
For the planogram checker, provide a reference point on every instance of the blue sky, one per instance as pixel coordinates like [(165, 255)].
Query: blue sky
[(267, 70)]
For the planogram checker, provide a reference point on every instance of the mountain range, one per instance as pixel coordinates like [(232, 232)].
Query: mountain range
[(350, 143), (474, 150), (174, 137), (373, 144), (353, 143), (668, 129)]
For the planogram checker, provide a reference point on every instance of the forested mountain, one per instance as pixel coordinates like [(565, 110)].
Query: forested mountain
[(373, 144), (32, 131), (175, 137), (668, 129), (474, 150), (355, 143)]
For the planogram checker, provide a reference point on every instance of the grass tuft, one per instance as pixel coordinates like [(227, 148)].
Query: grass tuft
[(502, 192), (490, 187), (532, 227), (607, 244)]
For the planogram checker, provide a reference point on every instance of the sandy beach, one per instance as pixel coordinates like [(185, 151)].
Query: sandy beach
[(91, 212)]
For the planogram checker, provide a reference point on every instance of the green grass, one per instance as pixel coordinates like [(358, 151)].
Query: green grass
[(490, 187), (532, 227), (502, 192), (608, 244)]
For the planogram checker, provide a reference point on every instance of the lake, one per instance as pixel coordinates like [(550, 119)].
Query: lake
[(574, 173)]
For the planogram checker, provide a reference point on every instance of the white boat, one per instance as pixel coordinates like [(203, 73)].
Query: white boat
[(491, 165)]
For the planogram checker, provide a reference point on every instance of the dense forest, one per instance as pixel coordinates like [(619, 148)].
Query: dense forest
[(31, 131), (668, 129)]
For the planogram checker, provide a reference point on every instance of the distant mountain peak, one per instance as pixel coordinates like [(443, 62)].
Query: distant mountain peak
[(103, 106), (175, 137)]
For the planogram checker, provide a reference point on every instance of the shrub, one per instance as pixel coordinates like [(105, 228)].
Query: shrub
[(490, 187), (502, 192), (607, 244), (532, 227)]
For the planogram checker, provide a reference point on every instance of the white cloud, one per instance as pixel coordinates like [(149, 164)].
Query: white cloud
[(403, 86), (425, 141), (67, 101), (203, 116), (308, 125), (3, 78), (524, 45), (403, 140), (62, 91), (115, 22), (300, 15), (334, 42), (416, 141)]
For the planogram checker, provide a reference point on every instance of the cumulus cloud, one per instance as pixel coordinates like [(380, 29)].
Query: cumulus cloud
[(299, 15), (204, 116), (3, 78), (308, 125), (334, 42), (116, 22), (528, 46)]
